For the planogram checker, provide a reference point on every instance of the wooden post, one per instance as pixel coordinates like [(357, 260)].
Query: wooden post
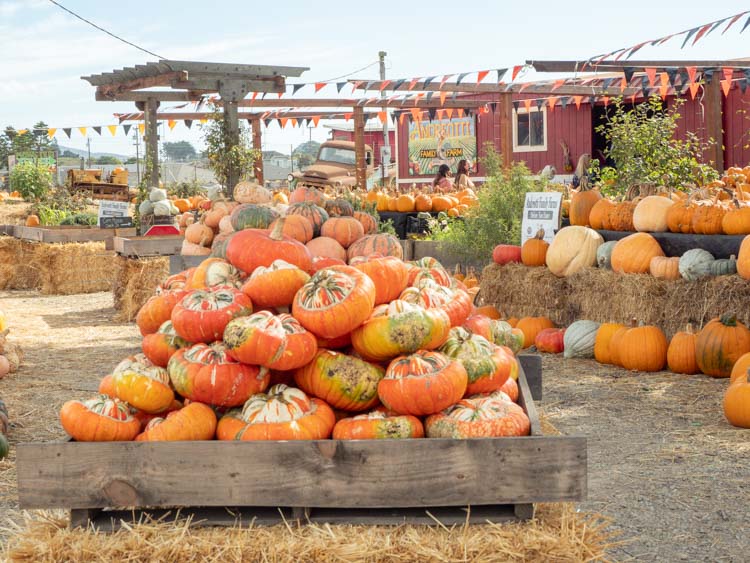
[(151, 138), (359, 147), (714, 120), (505, 113), (257, 144), (232, 124)]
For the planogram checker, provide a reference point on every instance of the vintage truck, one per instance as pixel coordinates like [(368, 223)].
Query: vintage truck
[(335, 167)]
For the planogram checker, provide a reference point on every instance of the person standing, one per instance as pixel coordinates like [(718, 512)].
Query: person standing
[(462, 176), (442, 182)]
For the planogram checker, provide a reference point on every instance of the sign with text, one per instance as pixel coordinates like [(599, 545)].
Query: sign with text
[(441, 141), (541, 210), (116, 222), (113, 209)]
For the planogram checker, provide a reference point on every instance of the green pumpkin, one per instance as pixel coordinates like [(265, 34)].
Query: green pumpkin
[(252, 216), (4, 420), (723, 267), (315, 213), (4, 446), (339, 208), (696, 264), (579, 339), (503, 336), (604, 255), (474, 352)]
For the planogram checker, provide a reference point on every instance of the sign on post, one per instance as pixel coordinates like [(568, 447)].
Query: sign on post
[(541, 210), (114, 214)]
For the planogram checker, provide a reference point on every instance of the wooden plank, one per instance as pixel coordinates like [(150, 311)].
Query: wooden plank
[(531, 364), (407, 245), (7, 230), (714, 121), (137, 247), (525, 400), (179, 263), (67, 234), (359, 147)]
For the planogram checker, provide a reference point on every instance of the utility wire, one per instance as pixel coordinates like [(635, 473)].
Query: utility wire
[(348, 73), (92, 24)]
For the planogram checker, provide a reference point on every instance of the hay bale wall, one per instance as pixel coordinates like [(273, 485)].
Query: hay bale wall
[(604, 296), (135, 281), (55, 269)]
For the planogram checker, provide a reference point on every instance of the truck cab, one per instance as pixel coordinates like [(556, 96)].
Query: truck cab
[(335, 167)]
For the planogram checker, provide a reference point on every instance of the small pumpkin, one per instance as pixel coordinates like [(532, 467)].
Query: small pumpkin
[(161, 345), (384, 244), (681, 352), (378, 424), (534, 250), (680, 216), (252, 248), (650, 215), (328, 247), (100, 419), (32, 221), (143, 385), (506, 254), (602, 348), (195, 421), (580, 339), (604, 255), (723, 267), (664, 268), (344, 230), (250, 192), (455, 302), (481, 416), (345, 382), (298, 227), (740, 367), (531, 326), (252, 216), (199, 234), (314, 213), (550, 340), (422, 383), (307, 194), (720, 344), (599, 214), (633, 254), (273, 341), (213, 272), (581, 205), (643, 348), (157, 310), (369, 222), (207, 374), (737, 402), (390, 275), (695, 264)]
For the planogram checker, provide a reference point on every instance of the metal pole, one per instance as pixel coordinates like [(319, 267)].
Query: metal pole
[(386, 142), (88, 145), (137, 156)]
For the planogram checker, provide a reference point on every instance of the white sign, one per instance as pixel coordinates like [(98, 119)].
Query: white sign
[(113, 209), (541, 211)]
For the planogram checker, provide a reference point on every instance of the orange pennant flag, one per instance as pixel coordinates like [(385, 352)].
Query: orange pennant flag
[(141, 128), (316, 118), (606, 101), (412, 83), (664, 88), (623, 84), (255, 95), (401, 118), (319, 86), (481, 75), (460, 112), (281, 94), (694, 90), (726, 85), (524, 86), (691, 70), (51, 132), (415, 114), (728, 73), (557, 84), (384, 85), (449, 111), (516, 70), (171, 123), (577, 100), (294, 122), (651, 73), (112, 129), (284, 121), (552, 101), (383, 116), (527, 105), (83, 130), (204, 120), (418, 97), (442, 97)]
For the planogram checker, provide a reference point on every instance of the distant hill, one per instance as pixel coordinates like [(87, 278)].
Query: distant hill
[(83, 152)]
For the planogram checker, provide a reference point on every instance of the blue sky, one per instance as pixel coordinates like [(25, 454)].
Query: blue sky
[(44, 51)]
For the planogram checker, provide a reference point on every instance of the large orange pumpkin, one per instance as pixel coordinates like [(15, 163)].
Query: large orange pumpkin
[(334, 301), (326, 246), (604, 335), (739, 370), (100, 419), (274, 341), (720, 344), (389, 274), (422, 383), (298, 227), (345, 382), (195, 421), (580, 206), (664, 268), (599, 214), (643, 348), (743, 259), (207, 374), (274, 286), (737, 402), (251, 248), (633, 254), (344, 230), (203, 313)]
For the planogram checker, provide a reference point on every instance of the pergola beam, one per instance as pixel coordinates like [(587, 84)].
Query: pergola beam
[(354, 102), (112, 90), (615, 66), (195, 116)]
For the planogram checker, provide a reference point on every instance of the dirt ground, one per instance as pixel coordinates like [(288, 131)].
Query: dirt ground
[(663, 463)]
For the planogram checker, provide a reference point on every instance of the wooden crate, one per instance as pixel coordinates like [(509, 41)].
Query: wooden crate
[(69, 233), (178, 263), (138, 247), (369, 481)]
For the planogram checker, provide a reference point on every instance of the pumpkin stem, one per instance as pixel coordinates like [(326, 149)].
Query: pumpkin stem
[(689, 328), (540, 234), (278, 229), (729, 319), (634, 322)]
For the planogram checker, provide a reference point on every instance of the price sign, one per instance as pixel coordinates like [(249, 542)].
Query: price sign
[(112, 209), (115, 222), (541, 210)]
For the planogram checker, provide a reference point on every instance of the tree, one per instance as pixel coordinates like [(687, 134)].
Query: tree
[(133, 160), (308, 147), (107, 160), (180, 151), (304, 160)]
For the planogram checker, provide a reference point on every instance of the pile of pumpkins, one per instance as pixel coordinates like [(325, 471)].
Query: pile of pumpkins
[(721, 349), (274, 343), (158, 204), (575, 248), (11, 354), (328, 225), (455, 204), (721, 207), (11, 195)]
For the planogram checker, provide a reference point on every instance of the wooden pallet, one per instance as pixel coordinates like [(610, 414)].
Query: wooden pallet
[(429, 480), (101, 190), (139, 247), (69, 233)]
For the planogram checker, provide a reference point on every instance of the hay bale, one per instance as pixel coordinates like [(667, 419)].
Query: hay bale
[(74, 268), (135, 281), (18, 268), (605, 296)]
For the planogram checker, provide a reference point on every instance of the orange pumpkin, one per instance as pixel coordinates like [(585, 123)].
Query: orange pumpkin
[(581, 205), (680, 216), (602, 342), (738, 370), (182, 205), (405, 203), (441, 203), (298, 227), (384, 244), (642, 348), (200, 234), (681, 353), (599, 214), (32, 221), (195, 421), (423, 203), (368, 221), (378, 424), (489, 311), (480, 416), (389, 274), (534, 250), (100, 419), (664, 268), (633, 254), (274, 286), (142, 384), (737, 402), (531, 326), (344, 230), (157, 310), (720, 344)]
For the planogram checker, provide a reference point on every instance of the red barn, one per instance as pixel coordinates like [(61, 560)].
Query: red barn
[(373, 136)]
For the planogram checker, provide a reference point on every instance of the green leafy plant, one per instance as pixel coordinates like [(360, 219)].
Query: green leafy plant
[(223, 155), (31, 180), (497, 217), (185, 189), (642, 144), (386, 227)]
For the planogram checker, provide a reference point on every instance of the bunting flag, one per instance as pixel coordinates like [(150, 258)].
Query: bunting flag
[(266, 122), (747, 22), (443, 95), (171, 123), (384, 85), (283, 121), (651, 74), (726, 83), (688, 36), (401, 118), (347, 116), (429, 95), (578, 100), (539, 104), (444, 80), (415, 114), (605, 99), (527, 105), (557, 83), (142, 128), (67, 130), (98, 130), (319, 86), (398, 83), (412, 83), (126, 128), (188, 123), (564, 101), (708, 75), (460, 77), (628, 71), (551, 102), (431, 114), (623, 84), (316, 119), (461, 112), (516, 70), (83, 130), (702, 31), (481, 75), (51, 132), (112, 129), (294, 122), (339, 86), (731, 23), (691, 70), (500, 73), (672, 74), (516, 104), (694, 90), (428, 80), (295, 88)]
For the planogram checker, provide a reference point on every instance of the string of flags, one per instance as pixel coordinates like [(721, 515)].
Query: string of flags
[(695, 33)]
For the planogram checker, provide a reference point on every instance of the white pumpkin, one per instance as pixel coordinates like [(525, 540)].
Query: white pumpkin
[(695, 264), (650, 215), (146, 207), (157, 194), (573, 249), (579, 339), (162, 208), (250, 192), (225, 225)]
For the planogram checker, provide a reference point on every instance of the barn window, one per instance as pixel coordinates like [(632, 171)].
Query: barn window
[(530, 130)]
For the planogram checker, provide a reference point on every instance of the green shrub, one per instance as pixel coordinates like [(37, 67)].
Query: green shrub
[(32, 181)]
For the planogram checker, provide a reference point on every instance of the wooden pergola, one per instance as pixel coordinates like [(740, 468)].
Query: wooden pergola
[(189, 80)]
